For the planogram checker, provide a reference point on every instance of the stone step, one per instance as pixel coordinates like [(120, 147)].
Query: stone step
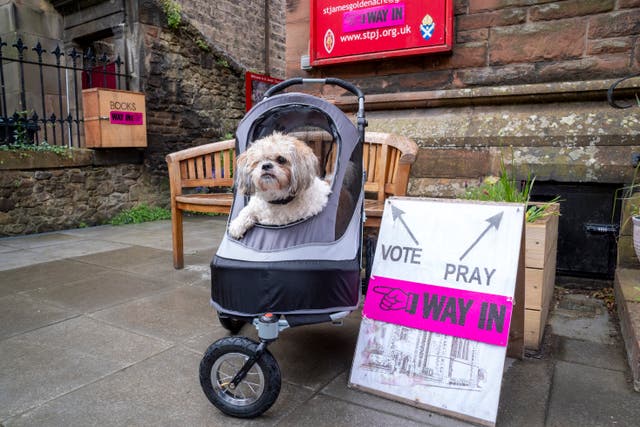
[(627, 288)]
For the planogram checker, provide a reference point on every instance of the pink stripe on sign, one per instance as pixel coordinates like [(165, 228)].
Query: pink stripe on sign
[(373, 17), (125, 118), (465, 314)]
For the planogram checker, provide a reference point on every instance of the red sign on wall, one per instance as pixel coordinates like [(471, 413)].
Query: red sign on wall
[(356, 30), (255, 87)]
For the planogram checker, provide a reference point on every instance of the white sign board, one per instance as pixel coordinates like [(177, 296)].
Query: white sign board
[(437, 312)]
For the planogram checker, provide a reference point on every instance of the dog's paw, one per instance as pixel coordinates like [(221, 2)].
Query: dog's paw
[(236, 229)]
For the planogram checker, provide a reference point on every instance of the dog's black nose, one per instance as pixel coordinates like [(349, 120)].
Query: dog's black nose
[(267, 166)]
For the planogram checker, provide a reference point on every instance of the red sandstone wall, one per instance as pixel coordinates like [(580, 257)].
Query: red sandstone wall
[(498, 42)]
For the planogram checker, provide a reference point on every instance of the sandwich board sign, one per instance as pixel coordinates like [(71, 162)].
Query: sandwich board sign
[(439, 305)]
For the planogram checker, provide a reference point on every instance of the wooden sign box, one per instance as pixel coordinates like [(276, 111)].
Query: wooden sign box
[(540, 273), (114, 118)]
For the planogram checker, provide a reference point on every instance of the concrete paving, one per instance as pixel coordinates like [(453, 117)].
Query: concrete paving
[(97, 328)]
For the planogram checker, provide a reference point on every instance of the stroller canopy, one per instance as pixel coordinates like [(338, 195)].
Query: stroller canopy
[(294, 112)]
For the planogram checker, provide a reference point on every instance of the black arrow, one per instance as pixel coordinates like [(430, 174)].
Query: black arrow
[(494, 221), (397, 213)]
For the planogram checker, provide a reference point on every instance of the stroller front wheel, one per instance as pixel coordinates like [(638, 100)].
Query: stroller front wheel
[(257, 391)]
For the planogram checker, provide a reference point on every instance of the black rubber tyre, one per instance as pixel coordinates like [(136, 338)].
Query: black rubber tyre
[(255, 393), (231, 324)]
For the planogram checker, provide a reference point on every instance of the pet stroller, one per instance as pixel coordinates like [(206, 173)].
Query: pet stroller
[(303, 273)]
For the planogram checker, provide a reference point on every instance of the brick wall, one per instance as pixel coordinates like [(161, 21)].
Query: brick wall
[(194, 92), (499, 42), (238, 28)]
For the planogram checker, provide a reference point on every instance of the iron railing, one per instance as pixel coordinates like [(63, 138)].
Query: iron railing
[(46, 105)]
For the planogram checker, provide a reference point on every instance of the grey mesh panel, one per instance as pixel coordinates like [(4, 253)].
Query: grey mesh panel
[(307, 239), (342, 249)]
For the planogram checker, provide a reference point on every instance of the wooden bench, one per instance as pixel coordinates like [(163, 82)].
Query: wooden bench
[(387, 160)]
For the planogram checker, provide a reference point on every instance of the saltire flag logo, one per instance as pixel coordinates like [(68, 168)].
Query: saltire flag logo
[(427, 27)]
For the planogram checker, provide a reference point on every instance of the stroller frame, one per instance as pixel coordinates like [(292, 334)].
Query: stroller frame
[(239, 376)]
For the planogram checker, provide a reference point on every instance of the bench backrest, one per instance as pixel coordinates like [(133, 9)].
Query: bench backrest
[(209, 165), (387, 161)]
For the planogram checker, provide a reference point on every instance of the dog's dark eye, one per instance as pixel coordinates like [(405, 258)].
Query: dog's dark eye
[(281, 160)]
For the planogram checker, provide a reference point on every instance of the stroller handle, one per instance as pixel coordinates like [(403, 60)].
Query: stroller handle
[(330, 81)]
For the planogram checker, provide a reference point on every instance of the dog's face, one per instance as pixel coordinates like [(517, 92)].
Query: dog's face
[(276, 167)]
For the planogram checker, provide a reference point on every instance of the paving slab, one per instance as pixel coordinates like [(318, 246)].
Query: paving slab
[(4, 248), (202, 234), (124, 258), (587, 396), (176, 315), (324, 410), (159, 391), (51, 252), (21, 313), (38, 240), (338, 389), (196, 269), (580, 317), (46, 275), (591, 354), (77, 248), (50, 362), (525, 393), (100, 291), (18, 258)]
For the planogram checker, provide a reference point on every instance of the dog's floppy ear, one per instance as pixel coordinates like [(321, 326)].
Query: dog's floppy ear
[(243, 175), (305, 166)]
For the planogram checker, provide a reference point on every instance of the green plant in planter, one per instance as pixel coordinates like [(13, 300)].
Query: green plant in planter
[(506, 188)]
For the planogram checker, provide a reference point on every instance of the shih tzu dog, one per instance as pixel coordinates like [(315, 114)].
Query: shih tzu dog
[(280, 173)]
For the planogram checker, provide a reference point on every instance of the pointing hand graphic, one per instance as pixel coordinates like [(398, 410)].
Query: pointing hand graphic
[(396, 299)]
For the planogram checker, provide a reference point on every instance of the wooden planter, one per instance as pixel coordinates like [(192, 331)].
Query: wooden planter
[(114, 118), (541, 240)]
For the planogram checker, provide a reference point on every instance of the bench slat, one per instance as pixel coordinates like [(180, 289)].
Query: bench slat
[(207, 182), (224, 199), (199, 167)]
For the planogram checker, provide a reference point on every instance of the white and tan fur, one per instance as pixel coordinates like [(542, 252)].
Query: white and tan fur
[(282, 169)]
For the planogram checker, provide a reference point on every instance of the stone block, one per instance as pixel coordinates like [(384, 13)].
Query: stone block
[(612, 45), (569, 9), (452, 163), (488, 5), (468, 55), (615, 24), (500, 75), (594, 67), (513, 44), (469, 36), (491, 19)]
